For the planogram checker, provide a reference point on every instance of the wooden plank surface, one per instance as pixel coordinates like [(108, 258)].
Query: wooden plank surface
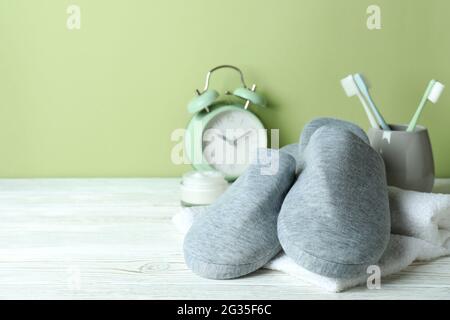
[(113, 239)]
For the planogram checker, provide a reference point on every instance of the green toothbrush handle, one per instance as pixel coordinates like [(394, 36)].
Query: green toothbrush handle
[(415, 119)]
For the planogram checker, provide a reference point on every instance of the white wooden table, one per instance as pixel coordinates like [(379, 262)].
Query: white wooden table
[(113, 239)]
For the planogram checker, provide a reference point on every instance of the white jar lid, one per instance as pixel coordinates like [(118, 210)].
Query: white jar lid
[(201, 179), (202, 187)]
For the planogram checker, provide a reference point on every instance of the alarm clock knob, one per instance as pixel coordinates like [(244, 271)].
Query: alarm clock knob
[(250, 96)]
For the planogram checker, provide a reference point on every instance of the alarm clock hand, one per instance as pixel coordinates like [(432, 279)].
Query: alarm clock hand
[(242, 136), (221, 136)]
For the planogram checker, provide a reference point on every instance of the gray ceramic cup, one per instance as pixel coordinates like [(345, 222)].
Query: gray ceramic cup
[(408, 157)]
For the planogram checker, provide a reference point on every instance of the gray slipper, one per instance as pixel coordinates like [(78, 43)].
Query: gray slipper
[(317, 123), (238, 233), (335, 220)]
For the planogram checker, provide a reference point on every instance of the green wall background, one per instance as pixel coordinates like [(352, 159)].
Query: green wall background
[(103, 101)]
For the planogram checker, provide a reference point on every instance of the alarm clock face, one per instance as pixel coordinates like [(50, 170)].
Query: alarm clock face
[(230, 139)]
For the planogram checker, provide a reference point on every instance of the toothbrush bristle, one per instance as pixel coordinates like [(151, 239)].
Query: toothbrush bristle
[(349, 86), (436, 92)]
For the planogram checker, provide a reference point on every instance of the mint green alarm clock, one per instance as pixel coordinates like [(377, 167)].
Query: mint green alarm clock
[(224, 135)]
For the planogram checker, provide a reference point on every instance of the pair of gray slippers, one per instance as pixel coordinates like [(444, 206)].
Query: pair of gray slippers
[(326, 206)]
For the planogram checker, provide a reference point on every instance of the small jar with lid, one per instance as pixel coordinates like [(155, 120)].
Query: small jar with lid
[(201, 188)]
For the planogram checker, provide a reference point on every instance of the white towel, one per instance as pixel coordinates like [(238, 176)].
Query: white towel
[(421, 215), (420, 232)]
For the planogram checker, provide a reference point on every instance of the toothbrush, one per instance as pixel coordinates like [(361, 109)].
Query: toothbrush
[(433, 93), (364, 88), (351, 89)]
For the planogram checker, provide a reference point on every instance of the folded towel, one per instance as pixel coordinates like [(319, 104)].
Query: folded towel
[(421, 215), (400, 253), (420, 232)]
